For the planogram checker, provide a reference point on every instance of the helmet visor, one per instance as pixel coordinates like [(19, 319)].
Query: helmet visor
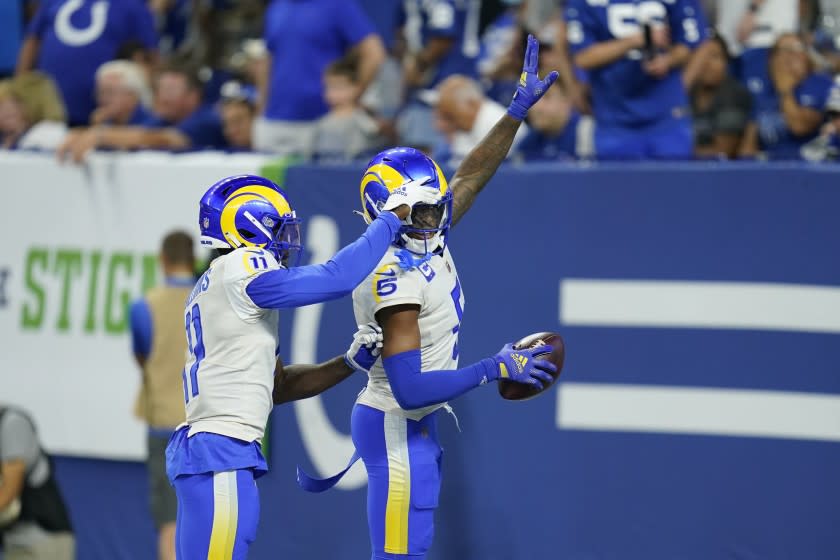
[(429, 217), (287, 242)]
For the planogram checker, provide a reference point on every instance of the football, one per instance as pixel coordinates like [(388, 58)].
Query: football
[(513, 391)]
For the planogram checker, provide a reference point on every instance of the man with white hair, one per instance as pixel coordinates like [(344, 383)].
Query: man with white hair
[(464, 115), (123, 96)]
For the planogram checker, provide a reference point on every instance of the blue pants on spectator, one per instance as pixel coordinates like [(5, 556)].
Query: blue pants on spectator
[(402, 458), (217, 515), (671, 138)]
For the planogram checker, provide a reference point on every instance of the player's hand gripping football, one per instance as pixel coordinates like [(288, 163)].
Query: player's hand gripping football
[(412, 192), (366, 347), (531, 87), (521, 366)]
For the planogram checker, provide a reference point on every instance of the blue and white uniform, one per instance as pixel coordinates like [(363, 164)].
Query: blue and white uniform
[(400, 447), (231, 321)]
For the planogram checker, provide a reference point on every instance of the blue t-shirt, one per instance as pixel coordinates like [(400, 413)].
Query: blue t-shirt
[(385, 17), (537, 146), (774, 136), (11, 33), (78, 36), (455, 19), (304, 37), (623, 94), (175, 25), (753, 70), (203, 127)]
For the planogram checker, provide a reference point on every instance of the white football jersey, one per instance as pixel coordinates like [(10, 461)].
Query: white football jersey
[(229, 374), (434, 286)]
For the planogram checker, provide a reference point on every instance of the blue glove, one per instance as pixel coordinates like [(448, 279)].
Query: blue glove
[(366, 347), (531, 88), (522, 367)]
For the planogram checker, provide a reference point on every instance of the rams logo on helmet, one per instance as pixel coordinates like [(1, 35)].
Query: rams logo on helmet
[(249, 211), (389, 171)]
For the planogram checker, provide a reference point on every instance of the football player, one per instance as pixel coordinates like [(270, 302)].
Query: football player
[(416, 298), (229, 380)]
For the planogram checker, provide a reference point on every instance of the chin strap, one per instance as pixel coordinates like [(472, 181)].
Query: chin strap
[(408, 260)]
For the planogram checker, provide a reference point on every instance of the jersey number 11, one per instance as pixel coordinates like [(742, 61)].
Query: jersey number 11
[(193, 319)]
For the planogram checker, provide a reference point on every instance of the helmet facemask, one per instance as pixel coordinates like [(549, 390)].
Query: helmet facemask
[(285, 244), (429, 226)]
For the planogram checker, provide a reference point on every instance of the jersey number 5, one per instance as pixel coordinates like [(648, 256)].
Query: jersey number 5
[(193, 323), (456, 299)]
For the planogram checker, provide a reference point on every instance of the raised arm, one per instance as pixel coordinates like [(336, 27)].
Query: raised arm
[(483, 161)]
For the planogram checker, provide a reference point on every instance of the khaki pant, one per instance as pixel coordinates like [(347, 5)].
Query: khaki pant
[(55, 546), (284, 138)]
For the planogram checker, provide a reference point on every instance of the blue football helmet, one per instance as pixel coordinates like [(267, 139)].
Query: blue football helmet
[(428, 227), (250, 211)]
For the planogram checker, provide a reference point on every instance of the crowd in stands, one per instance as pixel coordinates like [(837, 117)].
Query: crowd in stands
[(337, 80)]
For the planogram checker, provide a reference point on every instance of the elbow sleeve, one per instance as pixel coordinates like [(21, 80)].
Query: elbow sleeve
[(402, 370), (413, 388)]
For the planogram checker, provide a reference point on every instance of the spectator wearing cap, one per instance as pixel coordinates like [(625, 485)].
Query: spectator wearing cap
[(181, 122), (31, 113), (464, 116), (720, 105), (791, 113), (441, 38), (303, 37), (347, 132), (34, 522), (123, 97), (70, 39), (238, 107)]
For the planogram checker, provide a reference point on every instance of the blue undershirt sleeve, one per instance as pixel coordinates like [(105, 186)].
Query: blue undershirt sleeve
[(140, 320), (415, 389), (305, 285)]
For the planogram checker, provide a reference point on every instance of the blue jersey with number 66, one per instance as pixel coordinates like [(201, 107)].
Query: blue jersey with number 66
[(433, 286)]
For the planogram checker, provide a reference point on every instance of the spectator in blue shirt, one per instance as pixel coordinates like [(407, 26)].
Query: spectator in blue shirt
[(303, 37), (638, 97), (788, 115), (173, 23), (442, 40), (12, 16), (181, 122), (70, 39), (558, 131), (122, 94)]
